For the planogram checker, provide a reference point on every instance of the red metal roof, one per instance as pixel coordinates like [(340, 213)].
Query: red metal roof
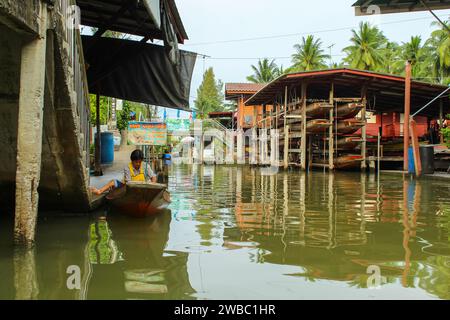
[(234, 90), (385, 92)]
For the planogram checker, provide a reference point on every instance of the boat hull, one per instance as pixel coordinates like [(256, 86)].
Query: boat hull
[(139, 199), (348, 143), (348, 110), (349, 126), (317, 126)]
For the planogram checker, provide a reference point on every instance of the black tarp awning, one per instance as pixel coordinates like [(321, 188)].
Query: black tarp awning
[(136, 71)]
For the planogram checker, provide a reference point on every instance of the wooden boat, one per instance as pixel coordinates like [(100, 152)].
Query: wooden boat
[(342, 162), (317, 126), (348, 110), (319, 110), (348, 143), (348, 162), (349, 126), (139, 199)]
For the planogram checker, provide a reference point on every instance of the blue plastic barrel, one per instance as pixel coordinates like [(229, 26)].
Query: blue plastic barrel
[(411, 163), (107, 146)]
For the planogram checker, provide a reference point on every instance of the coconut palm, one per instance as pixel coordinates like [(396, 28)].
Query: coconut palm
[(390, 54), (309, 55), (439, 53), (266, 71), (366, 51)]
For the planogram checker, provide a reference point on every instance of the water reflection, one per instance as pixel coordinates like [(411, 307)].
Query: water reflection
[(234, 233), (135, 264), (332, 226)]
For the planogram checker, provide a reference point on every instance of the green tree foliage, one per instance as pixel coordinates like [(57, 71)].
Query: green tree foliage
[(123, 116), (209, 95), (367, 46), (309, 55), (266, 71), (104, 109), (438, 57)]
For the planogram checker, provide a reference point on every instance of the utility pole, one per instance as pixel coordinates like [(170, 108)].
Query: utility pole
[(331, 59)]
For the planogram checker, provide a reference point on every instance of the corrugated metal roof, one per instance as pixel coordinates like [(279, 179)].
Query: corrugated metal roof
[(235, 90), (363, 7), (128, 17), (385, 92)]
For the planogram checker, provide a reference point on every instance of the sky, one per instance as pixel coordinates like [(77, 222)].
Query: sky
[(225, 31)]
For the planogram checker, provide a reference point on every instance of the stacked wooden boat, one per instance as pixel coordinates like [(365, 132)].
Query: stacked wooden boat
[(345, 127), (347, 140)]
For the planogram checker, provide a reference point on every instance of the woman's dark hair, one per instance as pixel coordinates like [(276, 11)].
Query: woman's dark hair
[(137, 155)]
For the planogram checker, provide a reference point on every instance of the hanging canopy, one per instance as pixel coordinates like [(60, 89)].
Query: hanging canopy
[(367, 7), (137, 71)]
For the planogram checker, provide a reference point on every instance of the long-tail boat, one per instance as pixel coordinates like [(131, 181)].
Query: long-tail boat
[(349, 126), (350, 161), (348, 110), (318, 110), (317, 126), (139, 199), (348, 143)]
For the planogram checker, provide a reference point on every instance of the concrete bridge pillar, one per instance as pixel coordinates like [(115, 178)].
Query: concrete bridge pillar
[(29, 134)]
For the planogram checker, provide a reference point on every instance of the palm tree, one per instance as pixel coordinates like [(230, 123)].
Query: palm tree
[(391, 58), (439, 53), (266, 71), (414, 52), (309, 55), (367, 47)]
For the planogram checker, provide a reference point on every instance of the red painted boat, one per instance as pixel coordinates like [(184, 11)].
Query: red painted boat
[(349, 126), (348, 162), (139, 199)]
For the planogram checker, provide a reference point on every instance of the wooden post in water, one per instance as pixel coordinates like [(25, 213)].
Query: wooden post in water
[(364, 129), (286, 130), (415, 145), (303, 133), (406, 115), (330, 132)]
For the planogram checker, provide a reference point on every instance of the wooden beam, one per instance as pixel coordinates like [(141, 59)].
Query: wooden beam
[(407, 112), (416, 150), (330, 132), (286, 131), (364, 128), (304, 136)]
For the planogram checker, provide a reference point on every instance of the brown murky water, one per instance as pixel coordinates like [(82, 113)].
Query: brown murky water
[(233, 233)]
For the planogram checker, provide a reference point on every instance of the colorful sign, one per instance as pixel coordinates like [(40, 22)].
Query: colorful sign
[(147, 133), (178, 124)]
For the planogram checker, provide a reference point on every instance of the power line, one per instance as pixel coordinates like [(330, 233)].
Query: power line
[(297, 34), (259, 58)]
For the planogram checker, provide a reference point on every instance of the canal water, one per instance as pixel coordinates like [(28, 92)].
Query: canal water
[(246, 233)]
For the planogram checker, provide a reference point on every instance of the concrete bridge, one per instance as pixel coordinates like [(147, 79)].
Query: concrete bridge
[(44, 91), (44, 112)]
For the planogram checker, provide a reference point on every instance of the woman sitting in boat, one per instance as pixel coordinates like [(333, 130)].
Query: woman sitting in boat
[(136, 170)]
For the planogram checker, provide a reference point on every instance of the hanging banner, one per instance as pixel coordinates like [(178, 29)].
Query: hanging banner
[(178, 124), (147, 133)]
